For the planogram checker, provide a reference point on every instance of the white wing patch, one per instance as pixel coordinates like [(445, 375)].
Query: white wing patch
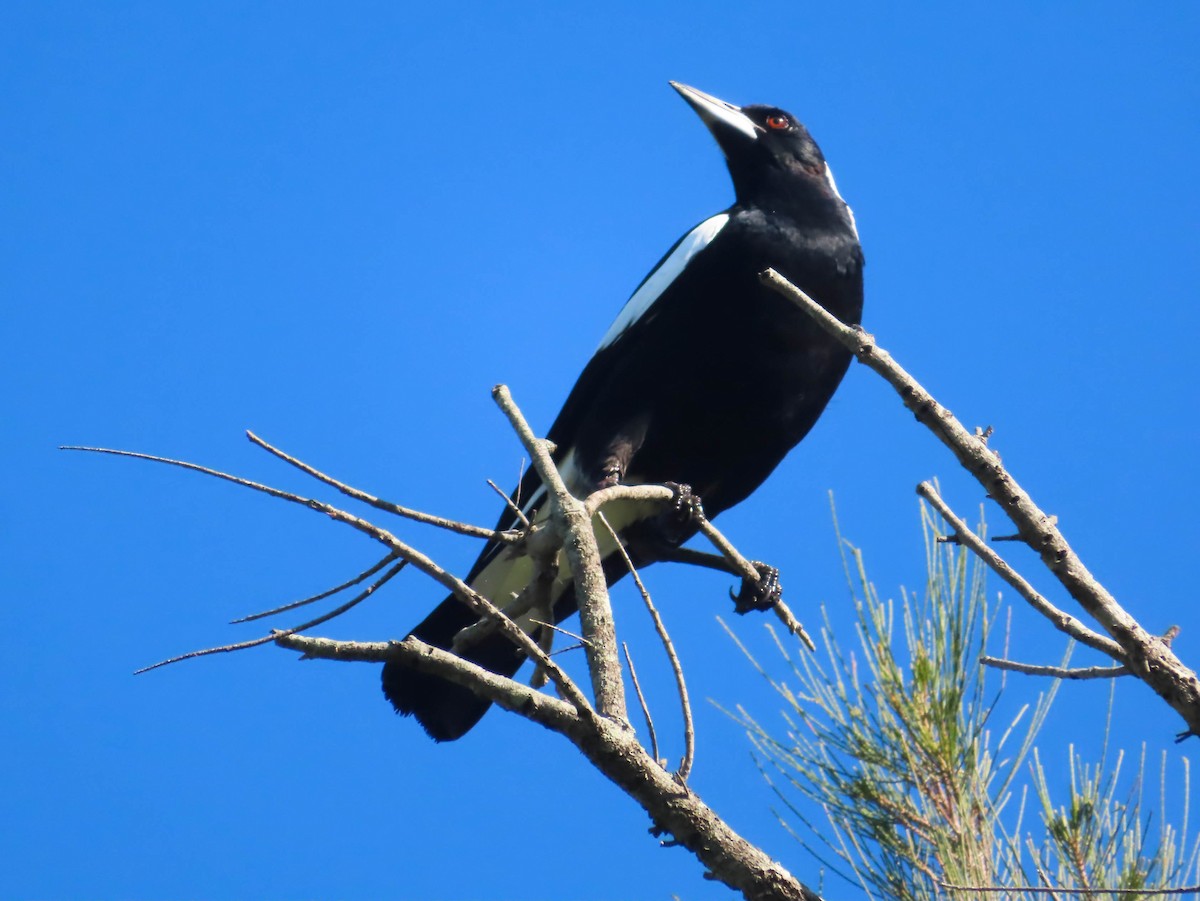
[(668, 270), (837, 194), (510, 571)]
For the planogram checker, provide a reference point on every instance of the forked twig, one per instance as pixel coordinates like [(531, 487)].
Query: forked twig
[(516, 511), (350, 583), (277, 633), (473, 599), (1062, 621), (441, 522)]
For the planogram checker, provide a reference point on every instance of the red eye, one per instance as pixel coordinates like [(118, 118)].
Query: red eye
[(779, 123)]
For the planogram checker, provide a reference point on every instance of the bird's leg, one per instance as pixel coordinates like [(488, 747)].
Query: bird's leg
[(614, 458), (672, 554), (762, 594), (610, 474), (664, 535)]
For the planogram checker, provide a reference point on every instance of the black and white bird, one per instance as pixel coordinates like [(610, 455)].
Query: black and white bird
[(707, 378)]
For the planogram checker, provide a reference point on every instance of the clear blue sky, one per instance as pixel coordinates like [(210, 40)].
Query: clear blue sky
[(340, 227)]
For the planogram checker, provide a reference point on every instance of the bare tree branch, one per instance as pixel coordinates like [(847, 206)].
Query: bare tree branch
[(1064, 622), (473, 599), (597, 499), (441, 522), (534, 705), (607, 740), (612, 748), (591, 588), (1149, 658), (1057, 672)]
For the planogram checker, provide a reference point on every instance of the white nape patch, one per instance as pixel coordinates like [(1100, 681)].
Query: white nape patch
[(838, 195), (666, 272)]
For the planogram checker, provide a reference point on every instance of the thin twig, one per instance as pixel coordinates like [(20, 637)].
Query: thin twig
[(1044, 890), (429, 519), (561, 631), (637, 689), (1147, 656), (558, 652), (736, 562), (516, 511), (195, 467), (1057, 672), (366, 574), (689, 731), (1062, 621), (277, 633), (473, 599)]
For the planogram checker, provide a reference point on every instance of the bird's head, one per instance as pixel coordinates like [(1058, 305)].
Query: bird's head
[(760, 143)]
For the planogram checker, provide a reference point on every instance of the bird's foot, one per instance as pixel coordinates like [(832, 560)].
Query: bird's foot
[(610, 475), (678, 521), (663, 834), (762, 594)]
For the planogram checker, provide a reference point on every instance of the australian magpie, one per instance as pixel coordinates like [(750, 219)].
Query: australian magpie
[(706, 379)]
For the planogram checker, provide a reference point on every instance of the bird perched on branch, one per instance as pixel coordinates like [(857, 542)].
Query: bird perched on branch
[(707, 379)]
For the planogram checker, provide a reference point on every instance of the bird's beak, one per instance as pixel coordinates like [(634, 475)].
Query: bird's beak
[(724, 120)]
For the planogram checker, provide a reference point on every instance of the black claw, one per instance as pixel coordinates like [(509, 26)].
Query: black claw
[(678, 521), (758, 595), (609, 476)]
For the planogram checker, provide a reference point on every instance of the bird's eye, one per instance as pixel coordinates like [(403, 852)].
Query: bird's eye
[(779, 123)]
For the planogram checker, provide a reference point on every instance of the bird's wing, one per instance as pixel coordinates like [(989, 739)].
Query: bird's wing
[(620, 337), (663, 275)]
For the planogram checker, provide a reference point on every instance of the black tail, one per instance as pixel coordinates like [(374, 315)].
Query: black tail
[(448, 711)]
